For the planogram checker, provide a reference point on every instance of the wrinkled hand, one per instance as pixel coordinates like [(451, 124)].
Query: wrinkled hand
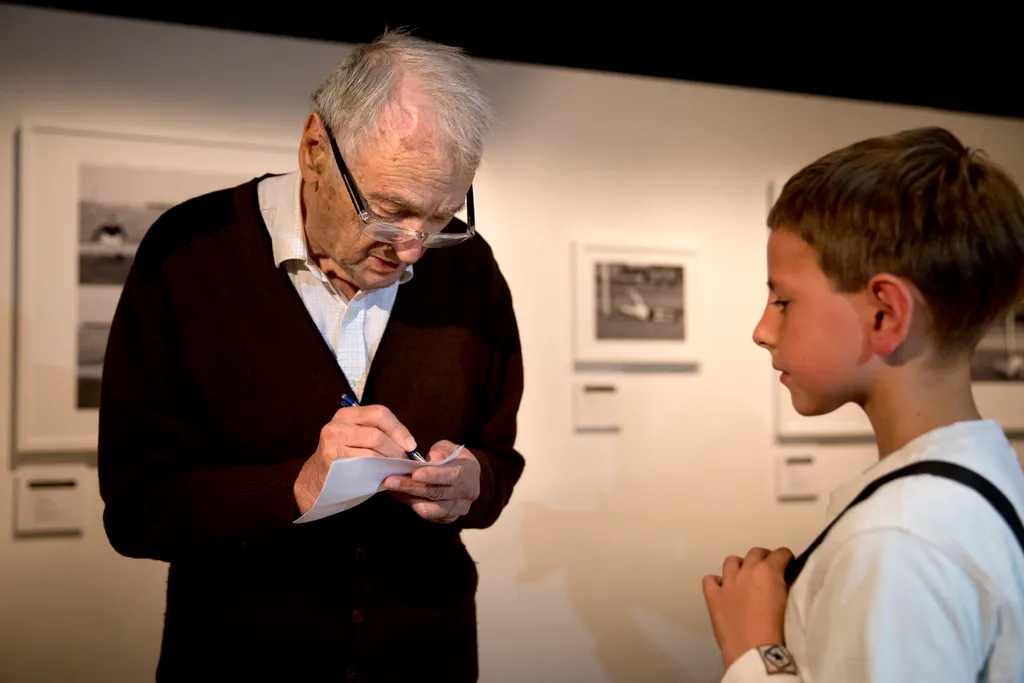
[(441, 493), (747, 603), (356, 432)]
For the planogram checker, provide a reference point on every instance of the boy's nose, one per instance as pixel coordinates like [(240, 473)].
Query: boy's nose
[(762, 335)]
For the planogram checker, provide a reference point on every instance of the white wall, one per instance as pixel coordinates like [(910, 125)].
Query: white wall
[(594, 572)]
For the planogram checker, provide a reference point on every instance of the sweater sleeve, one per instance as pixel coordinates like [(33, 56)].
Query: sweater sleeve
[(501, 465), (163, 500)]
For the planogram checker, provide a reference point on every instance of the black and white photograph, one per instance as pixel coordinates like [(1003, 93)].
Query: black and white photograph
[(634, 306), (87, 197), (640, 301), (117, 206), (999, 356)]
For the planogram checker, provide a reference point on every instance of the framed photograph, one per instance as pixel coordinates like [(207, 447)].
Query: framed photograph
[(997, 371), (634, 305), (86, 198), (997, 374)]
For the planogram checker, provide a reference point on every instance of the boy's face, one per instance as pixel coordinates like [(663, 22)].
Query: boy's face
[(816, 336)]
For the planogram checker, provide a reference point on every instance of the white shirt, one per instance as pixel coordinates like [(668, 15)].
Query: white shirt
[(923, 582), (352, 329)]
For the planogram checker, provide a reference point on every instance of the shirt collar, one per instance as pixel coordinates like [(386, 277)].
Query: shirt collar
[(281, 206), (960, 438)]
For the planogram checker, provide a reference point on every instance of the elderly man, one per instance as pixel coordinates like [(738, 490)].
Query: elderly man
[(248, 314)]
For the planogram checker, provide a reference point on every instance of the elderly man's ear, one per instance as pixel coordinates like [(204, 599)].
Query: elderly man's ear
[(313, 150)]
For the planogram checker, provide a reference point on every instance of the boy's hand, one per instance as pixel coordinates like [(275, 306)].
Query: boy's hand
[(747, 603)]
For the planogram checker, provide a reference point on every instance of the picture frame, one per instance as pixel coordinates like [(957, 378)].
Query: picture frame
[(997, 383), (634, 305), (86, 196)]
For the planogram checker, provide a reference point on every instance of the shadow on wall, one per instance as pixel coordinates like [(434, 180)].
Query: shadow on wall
[(629, 571)]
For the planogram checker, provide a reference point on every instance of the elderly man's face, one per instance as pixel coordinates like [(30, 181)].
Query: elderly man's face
[(403, 179)]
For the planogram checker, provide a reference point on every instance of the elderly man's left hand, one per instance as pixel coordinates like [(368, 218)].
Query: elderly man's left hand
[(441, 493)]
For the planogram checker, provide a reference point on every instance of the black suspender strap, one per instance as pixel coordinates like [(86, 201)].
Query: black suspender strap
[(938, 468)]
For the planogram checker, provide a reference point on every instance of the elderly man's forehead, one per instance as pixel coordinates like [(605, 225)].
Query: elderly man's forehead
[(409, 115)]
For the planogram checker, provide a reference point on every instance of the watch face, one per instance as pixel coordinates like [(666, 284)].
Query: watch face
[(777, 659)]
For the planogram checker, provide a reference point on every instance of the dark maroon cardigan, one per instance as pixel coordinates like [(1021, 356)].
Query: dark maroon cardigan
[(216, 384)]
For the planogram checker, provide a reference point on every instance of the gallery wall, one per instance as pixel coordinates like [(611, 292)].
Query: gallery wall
[(593, 573)]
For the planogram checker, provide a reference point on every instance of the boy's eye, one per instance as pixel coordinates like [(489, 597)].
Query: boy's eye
[(781, 303)]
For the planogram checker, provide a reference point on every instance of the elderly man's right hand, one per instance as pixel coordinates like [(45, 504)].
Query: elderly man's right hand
[(356, 432)]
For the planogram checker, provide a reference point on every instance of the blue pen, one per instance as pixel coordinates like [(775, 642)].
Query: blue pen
[(349, 402)]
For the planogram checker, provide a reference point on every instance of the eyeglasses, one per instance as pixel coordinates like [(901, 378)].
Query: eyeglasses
[(382, 231)]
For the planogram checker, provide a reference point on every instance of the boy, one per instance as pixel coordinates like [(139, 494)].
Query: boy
[(887, 261)]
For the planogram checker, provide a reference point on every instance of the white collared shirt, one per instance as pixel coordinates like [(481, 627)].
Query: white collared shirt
[(923, 582), (352, 329)]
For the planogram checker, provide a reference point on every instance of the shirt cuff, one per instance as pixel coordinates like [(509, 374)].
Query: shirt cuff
[(763, 664)]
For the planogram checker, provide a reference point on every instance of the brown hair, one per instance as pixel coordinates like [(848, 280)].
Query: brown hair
[(922, 206)]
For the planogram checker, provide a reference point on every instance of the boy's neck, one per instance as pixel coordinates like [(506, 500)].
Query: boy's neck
[(909, 401)]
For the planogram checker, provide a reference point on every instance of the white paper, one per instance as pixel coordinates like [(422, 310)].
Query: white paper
[(50, 498), (596, 407), (351, 481)]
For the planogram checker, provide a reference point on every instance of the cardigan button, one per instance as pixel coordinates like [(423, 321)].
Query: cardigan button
[(357, 617), (350, 672), (360, 554)]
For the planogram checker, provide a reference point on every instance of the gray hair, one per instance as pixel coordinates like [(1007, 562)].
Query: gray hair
[(355, 95)]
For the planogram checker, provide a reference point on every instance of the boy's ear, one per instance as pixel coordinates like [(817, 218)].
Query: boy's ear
[(891, 302)]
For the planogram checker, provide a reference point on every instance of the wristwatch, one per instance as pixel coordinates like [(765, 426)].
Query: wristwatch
[(777, 659)]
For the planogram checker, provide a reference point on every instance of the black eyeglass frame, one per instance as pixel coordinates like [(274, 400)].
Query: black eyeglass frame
[(386, 232)]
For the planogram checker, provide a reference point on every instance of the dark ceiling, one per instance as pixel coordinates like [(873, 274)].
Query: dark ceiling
[(948, 63)]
